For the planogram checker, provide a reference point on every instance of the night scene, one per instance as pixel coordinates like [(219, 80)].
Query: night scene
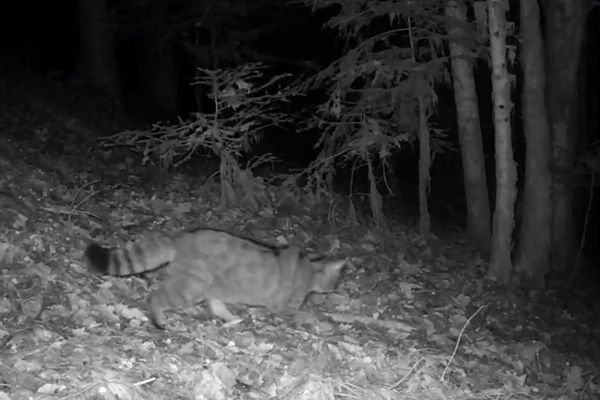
[(300, 200)]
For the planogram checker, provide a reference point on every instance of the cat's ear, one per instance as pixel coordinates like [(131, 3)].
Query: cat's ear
[(327, 275), (333, 269)]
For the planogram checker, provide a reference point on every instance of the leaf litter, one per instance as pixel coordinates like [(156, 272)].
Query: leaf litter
[(412, 319)]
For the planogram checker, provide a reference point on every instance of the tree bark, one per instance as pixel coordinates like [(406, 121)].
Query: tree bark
[(506, 174), (469, 129), (534, 245), (424, 168), (564, 30)]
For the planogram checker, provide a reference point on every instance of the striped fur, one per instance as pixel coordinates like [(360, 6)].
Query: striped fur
[(220, 267)]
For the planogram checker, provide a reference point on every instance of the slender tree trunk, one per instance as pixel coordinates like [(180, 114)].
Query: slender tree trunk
[(534, 246), (424, 168), (469, 129), (564, 30), (375, 201), (506, 174), (97, 49)]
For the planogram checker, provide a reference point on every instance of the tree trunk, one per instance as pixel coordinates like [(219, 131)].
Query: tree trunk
[(506, 174), (97, 49), (469, 129), (564, 29), (424, 168), (534, 245)]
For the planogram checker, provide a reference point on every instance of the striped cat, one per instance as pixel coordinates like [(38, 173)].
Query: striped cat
[(220, 267)]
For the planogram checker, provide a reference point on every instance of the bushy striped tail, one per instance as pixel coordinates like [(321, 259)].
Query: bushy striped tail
[(135, 258)]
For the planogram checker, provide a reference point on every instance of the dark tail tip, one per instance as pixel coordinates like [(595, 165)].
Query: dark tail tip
[(98, 257)]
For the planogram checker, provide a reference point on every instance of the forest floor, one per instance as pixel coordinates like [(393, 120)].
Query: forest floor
[(412, 318)]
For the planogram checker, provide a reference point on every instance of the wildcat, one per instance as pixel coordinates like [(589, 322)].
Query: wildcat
[(220, 267)]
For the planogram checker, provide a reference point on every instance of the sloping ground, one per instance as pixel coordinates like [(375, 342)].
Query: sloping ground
[(411, 319)]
